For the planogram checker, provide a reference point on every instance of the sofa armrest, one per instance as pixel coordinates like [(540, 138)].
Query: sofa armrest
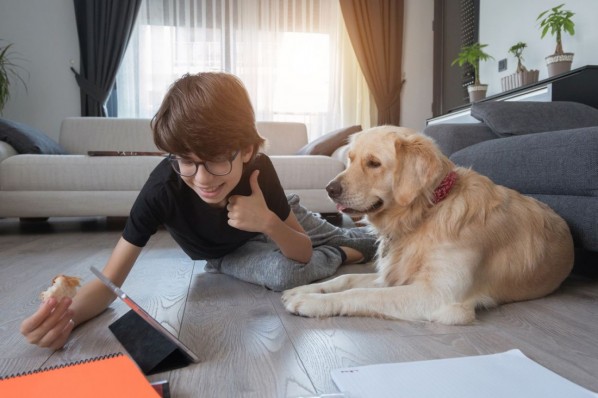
[(6, 150), (452, 137)]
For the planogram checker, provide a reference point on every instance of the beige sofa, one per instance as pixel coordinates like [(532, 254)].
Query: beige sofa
[(80, 185)]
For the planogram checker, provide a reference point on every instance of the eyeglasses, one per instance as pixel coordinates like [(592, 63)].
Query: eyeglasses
[(188, 168)]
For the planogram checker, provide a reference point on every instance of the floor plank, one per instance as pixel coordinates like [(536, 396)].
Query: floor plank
[(244, 348), (248, 344)]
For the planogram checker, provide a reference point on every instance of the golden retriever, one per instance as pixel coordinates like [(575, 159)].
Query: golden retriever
[(450, 239)]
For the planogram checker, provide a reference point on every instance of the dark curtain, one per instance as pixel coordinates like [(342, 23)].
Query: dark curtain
[(104, 28), (375, 28)]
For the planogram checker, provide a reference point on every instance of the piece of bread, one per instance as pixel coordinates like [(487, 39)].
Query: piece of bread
[(62, 286)]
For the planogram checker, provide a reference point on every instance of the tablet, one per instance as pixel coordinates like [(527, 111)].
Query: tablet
[(145, 316)]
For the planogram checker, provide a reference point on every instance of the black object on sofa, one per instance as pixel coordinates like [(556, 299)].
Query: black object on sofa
[(547, 150)]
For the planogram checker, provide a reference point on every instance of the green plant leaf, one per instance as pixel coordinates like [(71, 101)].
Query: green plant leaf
[(557, 21), (472, 54), (8, 70)]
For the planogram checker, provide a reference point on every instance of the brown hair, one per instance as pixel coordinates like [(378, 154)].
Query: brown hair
[(206, 114)]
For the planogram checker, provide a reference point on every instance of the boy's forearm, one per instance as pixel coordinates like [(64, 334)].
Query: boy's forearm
[(91, 300), (292, 243)]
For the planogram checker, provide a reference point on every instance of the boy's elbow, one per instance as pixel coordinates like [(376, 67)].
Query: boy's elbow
[(300, 255), (305, 256)]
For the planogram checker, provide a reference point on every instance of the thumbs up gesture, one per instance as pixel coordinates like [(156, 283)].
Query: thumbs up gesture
[(249, 213)]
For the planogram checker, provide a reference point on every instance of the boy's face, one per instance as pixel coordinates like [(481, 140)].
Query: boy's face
[(213, 189)]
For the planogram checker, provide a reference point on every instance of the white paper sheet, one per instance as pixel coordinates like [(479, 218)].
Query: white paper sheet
[(510, 374)]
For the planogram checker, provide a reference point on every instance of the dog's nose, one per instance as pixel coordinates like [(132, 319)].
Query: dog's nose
[(334, 189)]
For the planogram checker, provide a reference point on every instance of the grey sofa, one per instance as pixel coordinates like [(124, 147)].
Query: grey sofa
[(547, 150)]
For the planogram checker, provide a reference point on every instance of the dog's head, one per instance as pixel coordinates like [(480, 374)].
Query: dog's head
[(388, 166)]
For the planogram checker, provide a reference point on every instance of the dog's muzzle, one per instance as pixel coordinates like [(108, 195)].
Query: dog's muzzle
[(334, 189)]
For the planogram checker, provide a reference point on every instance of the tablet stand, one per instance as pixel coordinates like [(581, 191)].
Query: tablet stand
[(152, 351)]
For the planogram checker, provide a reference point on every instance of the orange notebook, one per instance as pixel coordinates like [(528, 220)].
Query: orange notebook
[(109, 376)]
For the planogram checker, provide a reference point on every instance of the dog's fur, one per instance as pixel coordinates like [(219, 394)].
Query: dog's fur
[(481, 246)]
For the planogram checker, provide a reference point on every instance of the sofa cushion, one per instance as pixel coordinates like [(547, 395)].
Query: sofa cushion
[(552, 163), (580, 214), (76, 172), (507, 118), (282, 138), (451, 137), (303, 172), (26, 139), (79, 135), (328, 143)]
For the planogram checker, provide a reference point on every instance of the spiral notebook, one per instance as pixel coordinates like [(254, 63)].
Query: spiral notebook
[(112, 376)]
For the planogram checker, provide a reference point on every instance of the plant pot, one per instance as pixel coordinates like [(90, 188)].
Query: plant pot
[(477, 93), (558, 64), (519, 79)]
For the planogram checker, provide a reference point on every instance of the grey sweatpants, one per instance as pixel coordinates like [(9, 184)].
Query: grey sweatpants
[(261, 262)]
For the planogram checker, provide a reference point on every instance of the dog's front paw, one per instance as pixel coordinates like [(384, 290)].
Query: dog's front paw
[(310, 304), (290, 293), (305, 289)]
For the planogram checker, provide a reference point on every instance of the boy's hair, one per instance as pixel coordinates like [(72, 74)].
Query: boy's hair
[(206, 114)]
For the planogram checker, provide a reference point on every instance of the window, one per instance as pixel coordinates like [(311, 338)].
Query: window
[(294, 57)]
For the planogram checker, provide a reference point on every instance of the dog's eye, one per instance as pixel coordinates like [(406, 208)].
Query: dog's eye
[(373, 164)]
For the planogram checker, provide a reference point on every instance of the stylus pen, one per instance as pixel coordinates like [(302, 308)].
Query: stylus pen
[(109, 283)]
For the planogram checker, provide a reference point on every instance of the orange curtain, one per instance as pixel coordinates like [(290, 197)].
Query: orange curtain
[(375, 28)]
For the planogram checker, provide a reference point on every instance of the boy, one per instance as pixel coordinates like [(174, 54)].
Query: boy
[(220, 200)]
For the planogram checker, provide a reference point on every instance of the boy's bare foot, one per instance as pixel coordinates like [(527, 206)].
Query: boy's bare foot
[(353, 256)]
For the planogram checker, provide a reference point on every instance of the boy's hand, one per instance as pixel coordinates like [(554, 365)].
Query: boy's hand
[(249, 213), (51, 325)]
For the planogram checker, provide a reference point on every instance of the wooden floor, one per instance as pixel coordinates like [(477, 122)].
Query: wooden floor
[(248, 345)]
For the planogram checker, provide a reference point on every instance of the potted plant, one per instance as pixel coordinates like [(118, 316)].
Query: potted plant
[(472, 55), (522, 76), (557, 21), (8, 71)]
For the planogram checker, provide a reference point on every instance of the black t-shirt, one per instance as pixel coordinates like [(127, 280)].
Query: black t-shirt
[(201, 230)]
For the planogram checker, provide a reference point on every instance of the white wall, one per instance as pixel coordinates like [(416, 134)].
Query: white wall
[(506, 22), (418, 44), (44, 33)]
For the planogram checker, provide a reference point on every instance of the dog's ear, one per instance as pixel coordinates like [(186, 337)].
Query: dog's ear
[(418, 167)]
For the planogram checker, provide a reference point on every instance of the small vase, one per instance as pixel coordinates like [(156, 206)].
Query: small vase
[(519, 79), (558, 64), (477, 93)]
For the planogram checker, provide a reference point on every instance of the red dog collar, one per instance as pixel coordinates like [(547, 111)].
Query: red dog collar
[(445, 187)]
